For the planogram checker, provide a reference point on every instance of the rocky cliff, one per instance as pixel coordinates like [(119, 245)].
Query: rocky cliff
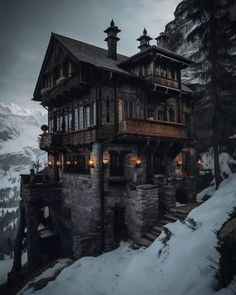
[(178, 30)]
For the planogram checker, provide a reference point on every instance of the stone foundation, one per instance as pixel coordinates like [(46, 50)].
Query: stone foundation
[(142, 210)]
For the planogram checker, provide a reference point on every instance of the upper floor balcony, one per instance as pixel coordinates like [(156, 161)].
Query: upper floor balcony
[(162, 81), (153, 129), (64, 91), (58, 141)]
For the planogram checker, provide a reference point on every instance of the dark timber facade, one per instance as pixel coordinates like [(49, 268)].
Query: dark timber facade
[(118, 143)]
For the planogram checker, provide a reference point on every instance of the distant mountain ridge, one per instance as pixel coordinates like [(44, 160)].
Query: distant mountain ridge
[(19, 129)]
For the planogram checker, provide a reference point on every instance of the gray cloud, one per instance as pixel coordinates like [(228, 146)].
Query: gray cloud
[(25, 28)]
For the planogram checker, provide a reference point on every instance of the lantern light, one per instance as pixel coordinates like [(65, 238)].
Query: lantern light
[(138, 162), (58, 163), (105, 161), (50, 164), (75, 162), (91, 163), (68, 162)]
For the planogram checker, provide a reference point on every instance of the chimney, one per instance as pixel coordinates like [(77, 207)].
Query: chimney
[(163, 40), (144, 40), (112, 39)]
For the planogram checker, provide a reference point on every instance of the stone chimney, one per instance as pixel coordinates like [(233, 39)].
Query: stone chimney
[(144, 40), (112, 39), (162, 40)]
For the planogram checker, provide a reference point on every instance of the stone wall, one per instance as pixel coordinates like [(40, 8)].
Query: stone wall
[(142, 210), (116, 189), (82, 195)]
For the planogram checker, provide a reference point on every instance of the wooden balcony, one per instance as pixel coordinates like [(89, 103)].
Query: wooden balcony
[(65, 91), (49, 141), (162, 81), (153, 128), (57, 141), (79, 138)]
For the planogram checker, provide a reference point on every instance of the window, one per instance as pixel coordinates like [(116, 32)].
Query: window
[(86, 116), (76, 119), (66, 123), (160, 115), (129, 110), (145, 69), (70, 122), (116, 164), (171, 115), (107, 110), (81, 118), (151, 114), (50, 126), (77, 164), (66, 69), (93, 113)]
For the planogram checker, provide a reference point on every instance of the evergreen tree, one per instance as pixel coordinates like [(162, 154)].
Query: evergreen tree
[(213, 114)]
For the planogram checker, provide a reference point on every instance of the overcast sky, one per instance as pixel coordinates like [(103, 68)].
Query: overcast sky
[(26, 25)]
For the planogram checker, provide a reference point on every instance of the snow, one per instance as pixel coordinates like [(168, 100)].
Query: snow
[(180, 265), (3, 211), (47, 274), (6, 265)]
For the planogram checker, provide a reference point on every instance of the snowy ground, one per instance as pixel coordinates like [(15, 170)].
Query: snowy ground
[(182, 265), (6, 265)]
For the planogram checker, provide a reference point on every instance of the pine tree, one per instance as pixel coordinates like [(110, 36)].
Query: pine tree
[(212, 114)]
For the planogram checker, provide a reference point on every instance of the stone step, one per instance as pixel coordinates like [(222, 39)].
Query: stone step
[(145, 242), (150, 236), (170, 217), (165, 221), (179, 214), (157, 228), (155, 232)]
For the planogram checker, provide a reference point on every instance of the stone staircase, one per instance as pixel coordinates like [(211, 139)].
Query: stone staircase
[(178, 213)]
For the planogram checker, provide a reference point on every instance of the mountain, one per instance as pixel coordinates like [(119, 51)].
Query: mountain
[(19, 129), (178, 31)]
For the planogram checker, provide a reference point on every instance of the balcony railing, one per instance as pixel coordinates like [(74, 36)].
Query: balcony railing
[(59, 140), (162, 81), (49, 140), (150, 128), (78, 138)]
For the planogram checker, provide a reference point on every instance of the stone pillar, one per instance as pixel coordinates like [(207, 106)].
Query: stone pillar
[(191, 180), (142, 210), (97, 179), (168, 194)]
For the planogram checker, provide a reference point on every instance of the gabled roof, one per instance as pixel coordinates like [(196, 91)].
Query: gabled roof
[(159, 50), (91, 54)]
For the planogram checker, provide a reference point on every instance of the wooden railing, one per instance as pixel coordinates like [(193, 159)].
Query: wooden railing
[(77, 138), (150, 128), (51, 140), (163, 81)]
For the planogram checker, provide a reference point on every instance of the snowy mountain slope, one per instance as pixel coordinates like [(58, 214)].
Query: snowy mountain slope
[(176, 263), (19, 129)]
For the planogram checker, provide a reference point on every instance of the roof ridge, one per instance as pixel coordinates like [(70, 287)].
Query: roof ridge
[(85, 43)]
